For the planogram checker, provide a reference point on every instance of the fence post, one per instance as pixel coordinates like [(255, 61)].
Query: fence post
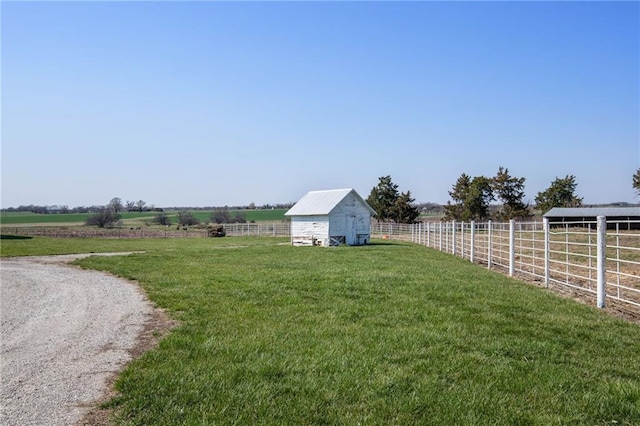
[(547, 255), (489, 245), (601, 259), (440, 243), (473, 240), (512, 247), (428, 234), (462, 240), (453, 237)]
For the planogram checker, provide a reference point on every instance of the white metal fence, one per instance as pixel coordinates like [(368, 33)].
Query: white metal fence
[(262, 229), (600, 257), (259, 229)]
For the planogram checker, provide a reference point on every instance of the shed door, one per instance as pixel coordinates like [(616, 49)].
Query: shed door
[(351, 230)]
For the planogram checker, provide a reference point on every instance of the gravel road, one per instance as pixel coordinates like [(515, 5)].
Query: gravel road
[(65, 332)]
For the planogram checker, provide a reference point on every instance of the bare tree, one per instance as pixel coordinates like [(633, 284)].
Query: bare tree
[(187, 219), (162, 219), (239, 217), (140, 205), (131, 206), (116, 205), (221, 216)]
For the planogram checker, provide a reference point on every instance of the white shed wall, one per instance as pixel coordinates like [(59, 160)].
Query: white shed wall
[(308, 230), (352, 220)]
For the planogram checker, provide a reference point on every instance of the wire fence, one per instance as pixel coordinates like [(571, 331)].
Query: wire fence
[(601, 257)]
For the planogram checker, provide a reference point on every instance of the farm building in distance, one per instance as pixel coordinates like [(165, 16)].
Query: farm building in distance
[(617, 217), (331, 218)]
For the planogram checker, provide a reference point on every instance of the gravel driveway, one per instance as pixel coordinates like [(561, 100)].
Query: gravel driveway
[(65, 333)]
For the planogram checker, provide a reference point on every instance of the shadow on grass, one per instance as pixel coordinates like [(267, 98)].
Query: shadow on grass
[(14, 237), (378, 242)]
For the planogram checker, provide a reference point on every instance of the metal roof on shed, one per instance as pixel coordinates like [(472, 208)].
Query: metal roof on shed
[(322, 202), (593, 212)]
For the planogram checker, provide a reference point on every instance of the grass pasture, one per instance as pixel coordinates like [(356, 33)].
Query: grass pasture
[(391, 333)]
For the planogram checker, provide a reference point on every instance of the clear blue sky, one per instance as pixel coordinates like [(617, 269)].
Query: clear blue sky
[(220, 103)]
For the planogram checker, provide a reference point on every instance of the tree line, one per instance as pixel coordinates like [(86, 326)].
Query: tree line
[(109, 215), (186, 218), (472, 198)]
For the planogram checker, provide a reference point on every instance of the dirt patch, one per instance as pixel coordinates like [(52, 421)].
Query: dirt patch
[(158, 326), (613, 307)]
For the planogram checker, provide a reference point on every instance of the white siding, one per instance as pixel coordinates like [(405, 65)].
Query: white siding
[(306, 230), (339, 222)]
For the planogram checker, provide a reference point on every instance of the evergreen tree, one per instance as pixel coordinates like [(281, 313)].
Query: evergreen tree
[(404, 210), (458, 194), (561, 193), (382, 198), (509, 191), (478, 199), (636, 181), (471, 198), (390, 205)]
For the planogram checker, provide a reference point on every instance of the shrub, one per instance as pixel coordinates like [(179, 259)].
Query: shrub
[(221, 216), (103, 217), (187, 219), (162, 219)]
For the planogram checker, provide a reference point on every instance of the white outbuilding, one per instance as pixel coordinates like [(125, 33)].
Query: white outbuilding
[(331, 218)]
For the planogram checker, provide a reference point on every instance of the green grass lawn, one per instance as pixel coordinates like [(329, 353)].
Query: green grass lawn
[(391, 333)]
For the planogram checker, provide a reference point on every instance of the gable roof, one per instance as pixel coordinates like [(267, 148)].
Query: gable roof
[(593, 212), (323, 202)]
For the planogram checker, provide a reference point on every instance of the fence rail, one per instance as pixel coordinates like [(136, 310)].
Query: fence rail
[(600, 257)]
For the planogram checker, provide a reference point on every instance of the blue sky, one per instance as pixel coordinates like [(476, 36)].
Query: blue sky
[(220, 103)]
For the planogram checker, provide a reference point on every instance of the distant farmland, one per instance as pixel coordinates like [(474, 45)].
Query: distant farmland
[(28, 218), (249, 215)]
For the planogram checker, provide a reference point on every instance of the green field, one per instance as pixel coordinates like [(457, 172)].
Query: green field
[(390, 333), (249, 215), (25, 218), (29, 218)]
